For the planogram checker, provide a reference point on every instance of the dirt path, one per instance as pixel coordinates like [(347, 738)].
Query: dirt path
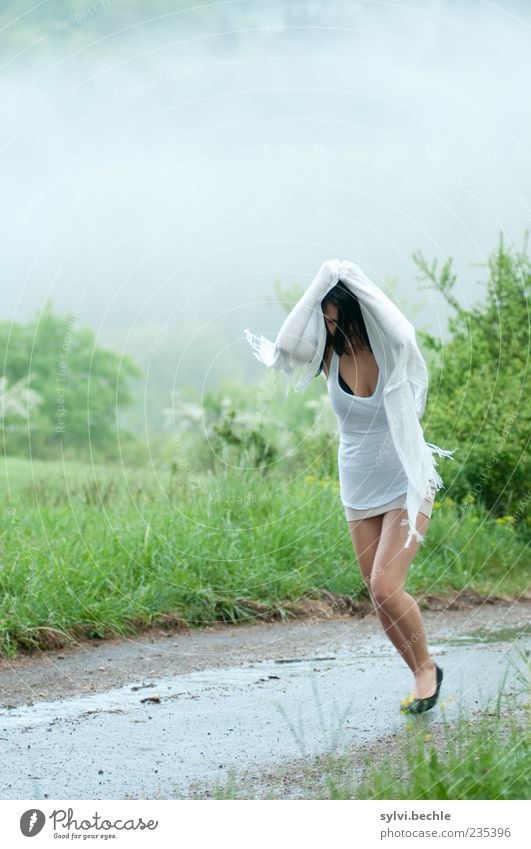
[(155, 716)]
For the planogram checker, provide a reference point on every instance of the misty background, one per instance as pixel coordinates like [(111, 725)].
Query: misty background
[(164, 166)]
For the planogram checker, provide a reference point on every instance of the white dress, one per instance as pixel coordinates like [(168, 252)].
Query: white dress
[(370, 471), (298, 351)]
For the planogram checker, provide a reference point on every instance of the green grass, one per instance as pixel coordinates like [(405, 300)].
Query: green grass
[(482, 760), (108, 550)]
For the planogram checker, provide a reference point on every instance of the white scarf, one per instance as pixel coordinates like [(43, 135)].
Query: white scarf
[(299, 349)]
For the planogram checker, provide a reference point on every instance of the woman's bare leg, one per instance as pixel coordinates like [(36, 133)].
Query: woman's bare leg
[(365, 534), (388, 576)]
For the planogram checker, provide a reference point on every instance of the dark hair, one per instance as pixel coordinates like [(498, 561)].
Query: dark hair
[(350, 323)]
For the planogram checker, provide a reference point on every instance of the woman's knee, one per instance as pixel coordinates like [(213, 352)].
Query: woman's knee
[(385, 593)]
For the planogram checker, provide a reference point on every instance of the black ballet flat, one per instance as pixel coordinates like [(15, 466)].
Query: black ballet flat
[(422, 705)]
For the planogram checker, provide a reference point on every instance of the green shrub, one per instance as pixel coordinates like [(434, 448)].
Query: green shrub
[(480, 399)]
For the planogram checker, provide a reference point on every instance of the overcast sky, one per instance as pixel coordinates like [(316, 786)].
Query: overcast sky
[(249, 141)]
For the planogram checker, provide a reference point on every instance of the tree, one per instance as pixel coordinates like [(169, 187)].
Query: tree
[(81, 386), (17, 400)]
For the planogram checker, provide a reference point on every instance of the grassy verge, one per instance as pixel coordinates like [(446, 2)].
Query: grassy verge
[(100, 551)]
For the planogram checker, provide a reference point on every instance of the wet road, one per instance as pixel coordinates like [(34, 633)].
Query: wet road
[(157, 735)]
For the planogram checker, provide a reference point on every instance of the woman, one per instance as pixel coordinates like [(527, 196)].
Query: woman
[(345, 326), (373, 486)]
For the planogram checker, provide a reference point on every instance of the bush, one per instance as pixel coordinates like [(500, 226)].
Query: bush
[(479, 398), (80, 386)]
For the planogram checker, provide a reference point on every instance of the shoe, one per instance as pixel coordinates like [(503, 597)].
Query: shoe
[(422, 705)]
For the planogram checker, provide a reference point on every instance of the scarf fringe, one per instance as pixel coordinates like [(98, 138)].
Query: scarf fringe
[(442, 452), (439, 483), (263, 349), (412, 533)]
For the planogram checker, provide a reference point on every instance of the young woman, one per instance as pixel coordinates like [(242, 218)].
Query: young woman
[(373, 487)]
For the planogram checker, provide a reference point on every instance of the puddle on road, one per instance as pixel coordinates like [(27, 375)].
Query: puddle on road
[(490, 635), (222, 681), (302, 659), (268, 675)]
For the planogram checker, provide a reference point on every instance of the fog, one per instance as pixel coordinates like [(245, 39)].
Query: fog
[(163, 167)]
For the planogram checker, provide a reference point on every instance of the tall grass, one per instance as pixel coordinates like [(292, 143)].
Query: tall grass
[(485, 759), (105, 550)]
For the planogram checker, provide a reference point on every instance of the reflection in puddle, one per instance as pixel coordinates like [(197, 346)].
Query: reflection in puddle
[(281, 674), (486, 635), (190, 686)]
